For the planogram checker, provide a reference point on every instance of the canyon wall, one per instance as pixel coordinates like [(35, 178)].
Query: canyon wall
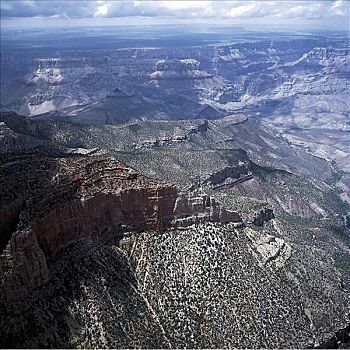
[(95, 198), (224, 76)]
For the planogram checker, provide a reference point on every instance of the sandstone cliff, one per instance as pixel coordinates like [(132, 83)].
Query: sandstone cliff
[(74, 198)]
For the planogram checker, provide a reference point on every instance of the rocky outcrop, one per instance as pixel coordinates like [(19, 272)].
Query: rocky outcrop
[(165, 141), (229, 172), (178, 69), (23, 267), (201, 128), (269, 250), (9, 217), (263, 216), (197, 207), (86, 197)]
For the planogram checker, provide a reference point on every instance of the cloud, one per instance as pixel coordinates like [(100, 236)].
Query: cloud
[(308, 10), (32, 8), (255, 9), (341, 8)]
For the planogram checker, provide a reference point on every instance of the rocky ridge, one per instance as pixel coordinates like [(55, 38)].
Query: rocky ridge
[(143, 284), (82, 197)]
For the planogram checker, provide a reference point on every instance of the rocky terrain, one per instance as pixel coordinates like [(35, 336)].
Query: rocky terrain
[(192, 195), (225, 77), (87, 196), (230, 238), (298, 85)]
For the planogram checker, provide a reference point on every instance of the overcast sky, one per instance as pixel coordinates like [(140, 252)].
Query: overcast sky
[(310, 14)]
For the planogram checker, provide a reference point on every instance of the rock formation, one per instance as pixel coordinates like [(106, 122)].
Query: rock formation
[(265, 215), (95, 255), (83, 198)]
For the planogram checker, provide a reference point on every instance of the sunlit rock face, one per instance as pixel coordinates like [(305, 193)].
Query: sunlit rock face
[(65, 200)]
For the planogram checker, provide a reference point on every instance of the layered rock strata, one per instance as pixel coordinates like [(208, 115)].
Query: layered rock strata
[(74, 198)]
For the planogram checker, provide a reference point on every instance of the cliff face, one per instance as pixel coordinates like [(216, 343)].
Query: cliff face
[(84, 198), (23, 266), (264, 215), (178, 69), (76, 272), (8, 221), (226, 77)]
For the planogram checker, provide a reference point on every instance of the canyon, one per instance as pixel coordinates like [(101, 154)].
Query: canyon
[(287, 82), (190, 195), (79, 224)]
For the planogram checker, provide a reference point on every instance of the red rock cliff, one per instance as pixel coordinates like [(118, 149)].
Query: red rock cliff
[(80, 197)]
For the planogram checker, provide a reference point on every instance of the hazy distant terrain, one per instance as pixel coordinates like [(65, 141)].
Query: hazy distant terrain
[(295, 83)]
